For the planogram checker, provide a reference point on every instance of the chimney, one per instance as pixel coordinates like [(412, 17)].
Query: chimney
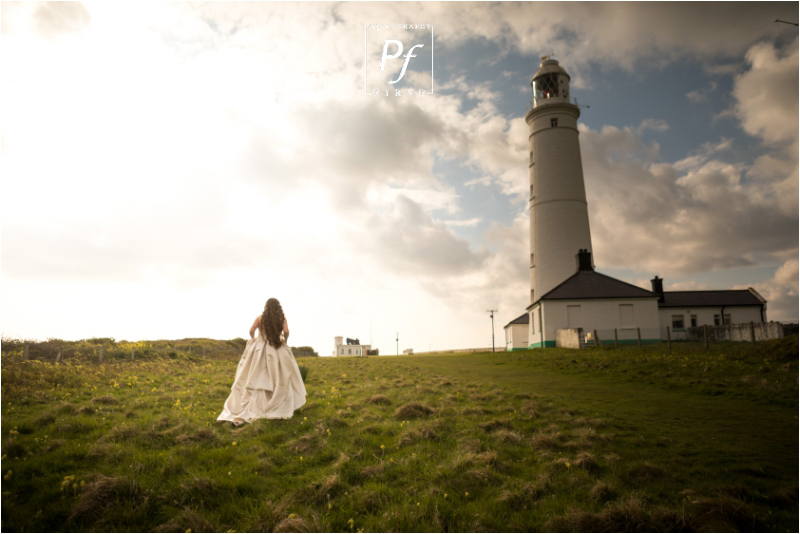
[(584, 258), (658, 288)]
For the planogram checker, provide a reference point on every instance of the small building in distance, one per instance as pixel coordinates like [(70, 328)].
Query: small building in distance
[(680, 310), (517, 333), (351, 348)]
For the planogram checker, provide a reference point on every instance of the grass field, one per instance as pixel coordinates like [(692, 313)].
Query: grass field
[(556, 440)]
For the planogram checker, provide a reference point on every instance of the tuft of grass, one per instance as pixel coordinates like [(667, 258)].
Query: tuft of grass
[(413, 410), (378, 399), (304, 370)]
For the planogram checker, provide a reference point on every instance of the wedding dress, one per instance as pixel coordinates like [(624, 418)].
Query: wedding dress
[(267, 384)]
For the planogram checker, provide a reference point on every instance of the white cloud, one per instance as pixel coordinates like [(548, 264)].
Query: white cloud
[(781, 292)]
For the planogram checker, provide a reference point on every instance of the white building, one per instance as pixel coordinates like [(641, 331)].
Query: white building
[(351, 348), (517, 333), (595, 305), (680, 310)]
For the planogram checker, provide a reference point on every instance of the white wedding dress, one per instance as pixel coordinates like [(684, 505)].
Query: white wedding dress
[(267, 385)]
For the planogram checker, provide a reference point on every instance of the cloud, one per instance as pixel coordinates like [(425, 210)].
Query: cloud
[(406, 240), (781, 292), (768, 92), (53, 19), (702, 95), (676, 219)]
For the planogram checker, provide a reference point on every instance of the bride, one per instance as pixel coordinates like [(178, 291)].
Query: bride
[(268, 382)]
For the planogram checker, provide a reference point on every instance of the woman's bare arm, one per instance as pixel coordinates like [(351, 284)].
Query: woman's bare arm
[(256, 324)]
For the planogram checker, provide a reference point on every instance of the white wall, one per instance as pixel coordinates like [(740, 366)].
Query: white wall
[(559, 220), (516, 336), (354, 350), (603, 315)]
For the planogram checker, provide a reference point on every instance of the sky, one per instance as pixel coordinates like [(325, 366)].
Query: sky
[(168, 167)]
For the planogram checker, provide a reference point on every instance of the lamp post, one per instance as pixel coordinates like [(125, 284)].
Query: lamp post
[(491, 314)]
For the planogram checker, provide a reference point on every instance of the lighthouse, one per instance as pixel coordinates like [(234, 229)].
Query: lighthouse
[(559, 216)]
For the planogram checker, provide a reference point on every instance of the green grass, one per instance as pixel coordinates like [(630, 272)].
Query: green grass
[(615, 440)]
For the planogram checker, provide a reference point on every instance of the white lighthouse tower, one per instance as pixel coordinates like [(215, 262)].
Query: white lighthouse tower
[(558, 212)]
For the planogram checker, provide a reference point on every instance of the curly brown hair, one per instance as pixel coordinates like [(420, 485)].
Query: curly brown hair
[(272, 323)]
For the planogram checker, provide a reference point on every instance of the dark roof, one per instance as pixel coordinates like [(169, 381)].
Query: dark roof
[(522, 319), (593, 285), (698, 299)]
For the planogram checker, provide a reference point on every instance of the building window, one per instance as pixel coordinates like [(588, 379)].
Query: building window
[(532, 264), (694, 321), (532, 296), (349, 351), (531, 190), (626, 319), (677, 322), (717, 319), (553, 123)]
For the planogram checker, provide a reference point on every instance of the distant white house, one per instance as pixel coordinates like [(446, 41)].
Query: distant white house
[(351, 348), (517, 333)]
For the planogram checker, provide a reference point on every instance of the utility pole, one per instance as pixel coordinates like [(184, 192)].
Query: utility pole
[(398, 343), (491, 314)]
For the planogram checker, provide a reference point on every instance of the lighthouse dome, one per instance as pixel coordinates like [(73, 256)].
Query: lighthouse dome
[(550, 84)]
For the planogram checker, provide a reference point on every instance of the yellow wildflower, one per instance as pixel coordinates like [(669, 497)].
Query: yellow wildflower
[(292, 516)]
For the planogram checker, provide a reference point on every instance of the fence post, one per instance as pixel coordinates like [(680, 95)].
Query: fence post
[(669, 340), (752, 333), (597, 339), (705, 335), (616, 340), (133, 356), (26, 352), (639, 336), (58, 358)]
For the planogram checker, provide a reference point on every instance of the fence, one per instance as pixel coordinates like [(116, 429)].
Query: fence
[(578, 338), (752, 332)]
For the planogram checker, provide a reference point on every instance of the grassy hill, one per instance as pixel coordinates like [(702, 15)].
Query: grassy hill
[(610, 440)]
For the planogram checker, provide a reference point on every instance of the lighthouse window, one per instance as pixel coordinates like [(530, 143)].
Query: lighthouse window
[(553, 123), (532, 260)]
